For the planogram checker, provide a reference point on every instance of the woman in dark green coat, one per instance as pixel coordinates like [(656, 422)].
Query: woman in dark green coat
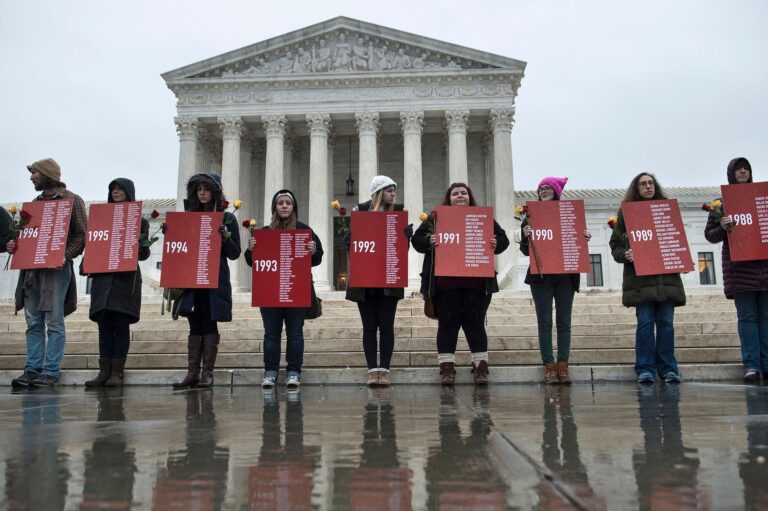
[(654, 297)]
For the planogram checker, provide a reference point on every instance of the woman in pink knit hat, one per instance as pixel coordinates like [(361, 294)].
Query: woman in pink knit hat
[(548, 287)]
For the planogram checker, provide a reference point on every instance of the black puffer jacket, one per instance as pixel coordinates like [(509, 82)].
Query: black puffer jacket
[(357, 294), (5, 229), (738, 276), (420, 242), (120, 292), (646, 288)]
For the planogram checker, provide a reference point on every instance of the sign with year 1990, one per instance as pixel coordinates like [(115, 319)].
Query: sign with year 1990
[(558, 233), (378, 252), (656, 235), (464, 235)]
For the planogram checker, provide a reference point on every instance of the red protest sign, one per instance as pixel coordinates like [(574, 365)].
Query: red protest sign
[(558, 233), (281, 269), (656, 236), (464, 235), (43, 239), (191, 250), (378, 251), (112, 239), (747, 203)]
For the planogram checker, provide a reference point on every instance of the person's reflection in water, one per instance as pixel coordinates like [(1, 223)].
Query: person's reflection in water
[(666, 472), (196, 476), (283, 477), (560, 450), (36, 476), (753, 465), (459, 472), (109, 466), (380, 482)]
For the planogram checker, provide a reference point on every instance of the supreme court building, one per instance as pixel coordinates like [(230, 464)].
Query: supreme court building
[(324, 109)]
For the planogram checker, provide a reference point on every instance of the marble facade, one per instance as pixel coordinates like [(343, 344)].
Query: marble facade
[(345, 98)]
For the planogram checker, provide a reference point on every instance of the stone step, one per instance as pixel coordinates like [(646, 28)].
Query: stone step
[(399, 376)]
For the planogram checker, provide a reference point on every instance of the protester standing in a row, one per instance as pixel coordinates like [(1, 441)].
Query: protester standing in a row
[(285, 217), (653, 296), (116, 301), (204, 308), (461, 302), (547, 287), (48, 295), (377, 306), (744, 282)]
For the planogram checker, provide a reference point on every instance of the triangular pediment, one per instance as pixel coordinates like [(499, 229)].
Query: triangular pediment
[(343, 46)]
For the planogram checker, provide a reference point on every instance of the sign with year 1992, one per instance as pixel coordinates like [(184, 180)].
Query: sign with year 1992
[(378, 252)]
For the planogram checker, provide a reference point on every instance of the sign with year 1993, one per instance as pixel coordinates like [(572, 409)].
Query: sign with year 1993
[(281, 268)]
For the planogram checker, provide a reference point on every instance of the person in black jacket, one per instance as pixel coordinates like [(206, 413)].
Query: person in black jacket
[(5, 229), (560, 287), (284, 216), (378, 305), (746, 283), (461, 301), (116, 302), (203, 308)]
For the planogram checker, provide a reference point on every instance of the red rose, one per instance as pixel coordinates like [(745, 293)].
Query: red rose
[(154, 214), (611, 224), (225, 204), (25, 216), (525, 209), (343, 211), (246, 223), (705, 207), (433, 214)]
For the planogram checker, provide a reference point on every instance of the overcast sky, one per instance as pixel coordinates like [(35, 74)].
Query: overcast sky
[(611, 88)]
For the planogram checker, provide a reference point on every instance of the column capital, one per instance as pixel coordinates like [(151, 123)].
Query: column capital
[(456, 120), (319, 124), (187, 127), (501, 119), (275, 125), (231, 127), (412, 122), (367, 123)]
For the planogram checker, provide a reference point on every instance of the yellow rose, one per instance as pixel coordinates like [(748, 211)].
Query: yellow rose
[(252, 222), (335, 204), (716, 204), (13, 210), (519, 210), (237, 203), (423, 217)]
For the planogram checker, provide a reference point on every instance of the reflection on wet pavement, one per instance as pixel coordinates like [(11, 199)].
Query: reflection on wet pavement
[(423, 447)]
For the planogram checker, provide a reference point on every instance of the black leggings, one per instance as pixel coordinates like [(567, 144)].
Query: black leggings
[(462, 308), (200, 322), (377, 312), (114, 334)]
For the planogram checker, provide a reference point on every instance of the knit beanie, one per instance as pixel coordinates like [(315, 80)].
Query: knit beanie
[(47, 167), (380, 182), (556, 183), (290, 194)]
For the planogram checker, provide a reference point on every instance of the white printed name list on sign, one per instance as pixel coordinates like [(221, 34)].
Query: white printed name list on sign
[(281, 268), (464, 236), (747, 204), (43, 240), (112, 239), (191, 250)]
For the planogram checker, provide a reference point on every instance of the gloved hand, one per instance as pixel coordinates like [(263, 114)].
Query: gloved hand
[(408, 231)]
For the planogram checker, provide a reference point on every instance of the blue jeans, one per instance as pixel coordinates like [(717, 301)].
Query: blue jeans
[(273, 318), (41, 356), (560, 289), (752, 312), (655, 352)]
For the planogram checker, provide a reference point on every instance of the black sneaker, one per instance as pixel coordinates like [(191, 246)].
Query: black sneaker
[(25, 380), (45, 380)]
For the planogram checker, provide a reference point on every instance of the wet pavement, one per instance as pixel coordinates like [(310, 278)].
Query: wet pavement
[(691, 446)]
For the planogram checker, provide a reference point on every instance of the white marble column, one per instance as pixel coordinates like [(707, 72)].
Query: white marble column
[(289, 150), (456, 122), (501, 121), (248, 209), (274, 126), (329, 252), (488, 162), (320, 194), (187, 128), (412, 123), (367, 129), (231, 131)]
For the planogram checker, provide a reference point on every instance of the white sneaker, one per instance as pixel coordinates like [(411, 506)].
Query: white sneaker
[(268, 383), (293, 382)]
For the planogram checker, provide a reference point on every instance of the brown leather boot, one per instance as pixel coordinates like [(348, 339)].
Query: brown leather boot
[(563, 374), (550, 373), (480, 372), (103, 376), (447, 373), (116, 373), (194, 353), (210, 351)]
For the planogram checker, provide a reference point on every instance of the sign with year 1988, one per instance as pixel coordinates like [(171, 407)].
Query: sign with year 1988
[(747, 204)]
